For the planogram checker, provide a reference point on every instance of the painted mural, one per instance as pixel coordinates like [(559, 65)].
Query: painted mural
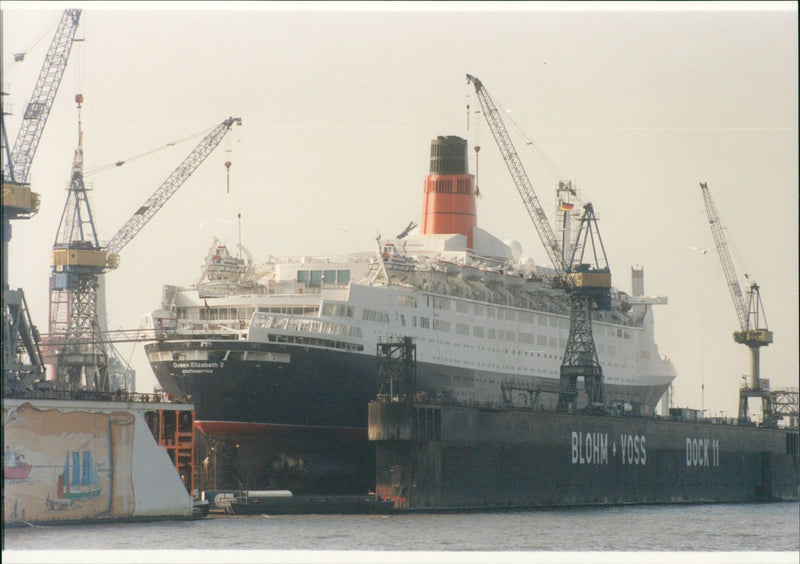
[(73, 465)]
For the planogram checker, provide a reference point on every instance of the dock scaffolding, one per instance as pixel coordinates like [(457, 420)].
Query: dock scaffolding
[(174, 430), (397, 370)]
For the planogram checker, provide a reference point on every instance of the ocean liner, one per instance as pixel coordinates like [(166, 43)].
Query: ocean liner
[(279, 358)]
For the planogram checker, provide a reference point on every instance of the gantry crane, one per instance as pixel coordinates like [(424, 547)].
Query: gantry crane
[(22, 359), (79, 261), (588, 283), (750, 314)]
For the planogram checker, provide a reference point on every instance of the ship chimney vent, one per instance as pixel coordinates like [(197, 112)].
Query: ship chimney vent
[(449, 155)]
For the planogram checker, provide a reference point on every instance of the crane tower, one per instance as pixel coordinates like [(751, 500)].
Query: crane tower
[(589, 283), (22, 359), (79, 261), (750, 314)]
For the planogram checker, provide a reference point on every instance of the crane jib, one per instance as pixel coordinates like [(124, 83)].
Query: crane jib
[(37, 111), (521, 180), (184, 170)]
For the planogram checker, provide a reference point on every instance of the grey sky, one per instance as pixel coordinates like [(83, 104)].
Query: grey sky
[(339, 103)]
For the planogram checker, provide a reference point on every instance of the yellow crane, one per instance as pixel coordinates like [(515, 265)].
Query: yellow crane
[(750, 313)]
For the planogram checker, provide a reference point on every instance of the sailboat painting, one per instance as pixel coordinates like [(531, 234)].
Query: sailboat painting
[(79, 480)]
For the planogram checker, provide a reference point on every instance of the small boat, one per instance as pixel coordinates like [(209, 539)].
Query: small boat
[(14, 467), (200, 508), (221, 265), (81, 480), (393, 260)]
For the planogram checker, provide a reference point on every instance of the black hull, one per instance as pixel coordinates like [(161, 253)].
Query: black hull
[(296, 421), (448, 457), (308, 386)]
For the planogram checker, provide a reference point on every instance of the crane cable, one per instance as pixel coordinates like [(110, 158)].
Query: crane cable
[(19, 56), (119, 163), (557, 171)]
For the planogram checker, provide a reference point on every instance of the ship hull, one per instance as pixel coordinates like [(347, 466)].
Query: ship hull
[(431, 457), (308, 386), (297, 418)]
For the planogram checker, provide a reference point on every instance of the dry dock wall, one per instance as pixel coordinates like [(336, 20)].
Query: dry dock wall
[(447, 457), (68, 461)]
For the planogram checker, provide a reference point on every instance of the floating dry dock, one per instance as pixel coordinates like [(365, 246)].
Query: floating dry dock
[(432, 456), (96, 457)]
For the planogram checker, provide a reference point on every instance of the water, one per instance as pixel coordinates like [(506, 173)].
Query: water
[(695, 528)]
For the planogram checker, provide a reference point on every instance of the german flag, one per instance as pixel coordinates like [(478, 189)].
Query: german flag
[(566, 206)]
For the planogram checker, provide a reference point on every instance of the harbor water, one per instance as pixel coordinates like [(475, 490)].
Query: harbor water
[(772, 531)]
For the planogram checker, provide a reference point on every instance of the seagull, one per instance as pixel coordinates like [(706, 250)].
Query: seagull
[(701, 251)]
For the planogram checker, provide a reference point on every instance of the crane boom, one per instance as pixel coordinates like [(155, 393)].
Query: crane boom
[(725, 257), (170, 186), (519, 176), (44, 93)]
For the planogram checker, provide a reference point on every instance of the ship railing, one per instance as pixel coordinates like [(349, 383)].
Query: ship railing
[(216, 326), (93, 395), (302, 324)]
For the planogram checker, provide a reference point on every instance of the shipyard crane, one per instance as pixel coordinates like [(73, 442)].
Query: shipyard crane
[(18, 163), (750, 313), (22, 359), (79, 261), (588, 283)]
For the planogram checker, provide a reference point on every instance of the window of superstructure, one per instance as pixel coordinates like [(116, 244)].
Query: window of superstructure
[(527, 317), (541, 319), (337, 310), (302, 275), (462, 329), (316, 278), (342, 276), (462, 307), (188, 313), (491, 311), (490, 332), (510, 314), (553, 342), (374, 315), (440, 303), (541, 340), (477, 330), (424, 322), (510, 336), (527, 338), (406, 301), (329, 276), (441, 325), (479, 309)]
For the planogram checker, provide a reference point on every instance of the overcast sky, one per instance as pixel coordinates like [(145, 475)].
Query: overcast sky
[(636, 103)]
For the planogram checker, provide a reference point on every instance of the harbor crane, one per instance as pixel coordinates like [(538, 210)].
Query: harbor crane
[(588, 283), (22, 359), (79, 261), (750, 313)]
